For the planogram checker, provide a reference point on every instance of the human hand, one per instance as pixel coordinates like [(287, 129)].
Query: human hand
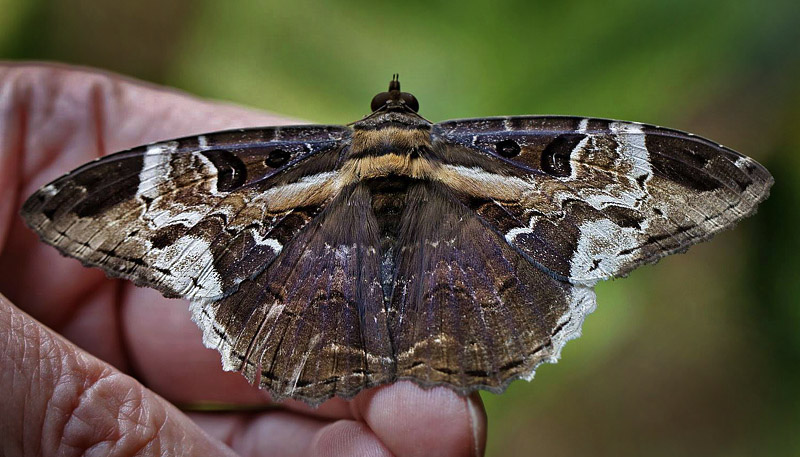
[(58, 399)]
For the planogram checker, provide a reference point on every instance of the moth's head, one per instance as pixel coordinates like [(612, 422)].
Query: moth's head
[(394, 99)]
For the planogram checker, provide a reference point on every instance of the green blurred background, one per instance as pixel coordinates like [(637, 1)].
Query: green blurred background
[(698, 355)]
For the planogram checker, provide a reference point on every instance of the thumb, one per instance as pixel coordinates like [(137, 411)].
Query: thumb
[(59, 400)]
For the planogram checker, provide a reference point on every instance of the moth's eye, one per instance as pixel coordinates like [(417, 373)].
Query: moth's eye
[(411, 101), (379, 100), (507, 148), (277, 158)]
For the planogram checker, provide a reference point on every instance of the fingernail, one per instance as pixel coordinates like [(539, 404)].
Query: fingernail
[(477, 419)]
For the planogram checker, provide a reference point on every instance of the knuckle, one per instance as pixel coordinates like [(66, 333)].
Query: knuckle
[(102, 414)]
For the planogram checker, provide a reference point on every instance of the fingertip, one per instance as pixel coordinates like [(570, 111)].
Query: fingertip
[(347, 437), (412, 420)]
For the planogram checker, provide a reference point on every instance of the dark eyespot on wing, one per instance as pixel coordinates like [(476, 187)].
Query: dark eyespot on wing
[(556, 155), (277, 158), (231, 170), (507, 148)]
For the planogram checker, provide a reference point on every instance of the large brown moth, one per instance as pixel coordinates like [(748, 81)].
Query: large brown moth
[(323, 260)]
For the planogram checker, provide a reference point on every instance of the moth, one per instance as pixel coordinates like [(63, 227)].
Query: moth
[(323, 260)]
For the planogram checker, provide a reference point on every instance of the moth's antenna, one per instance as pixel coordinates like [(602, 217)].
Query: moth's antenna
[(394, 84)]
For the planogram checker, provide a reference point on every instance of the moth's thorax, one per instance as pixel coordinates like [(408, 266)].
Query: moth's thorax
[(391, 150), (400, 118)]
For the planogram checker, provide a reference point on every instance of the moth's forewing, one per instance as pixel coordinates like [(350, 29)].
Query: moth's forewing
[(591, 199), (190, 217)]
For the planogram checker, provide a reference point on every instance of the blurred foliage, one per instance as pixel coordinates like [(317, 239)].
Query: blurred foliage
[(697, 355)]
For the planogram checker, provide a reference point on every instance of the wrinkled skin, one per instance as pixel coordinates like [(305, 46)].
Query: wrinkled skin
[(92, 366)]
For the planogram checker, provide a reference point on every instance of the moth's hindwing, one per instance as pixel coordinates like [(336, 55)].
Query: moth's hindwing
[(195, 216), (590, 199), (313, 324), (467, 309)]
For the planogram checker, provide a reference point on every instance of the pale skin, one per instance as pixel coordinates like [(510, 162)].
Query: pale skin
[(93, 366)]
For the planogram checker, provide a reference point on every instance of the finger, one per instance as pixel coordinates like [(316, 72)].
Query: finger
[(411, 420), (348, 437), (289, 434), (401, 419), (277, 433), (59, 400)]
